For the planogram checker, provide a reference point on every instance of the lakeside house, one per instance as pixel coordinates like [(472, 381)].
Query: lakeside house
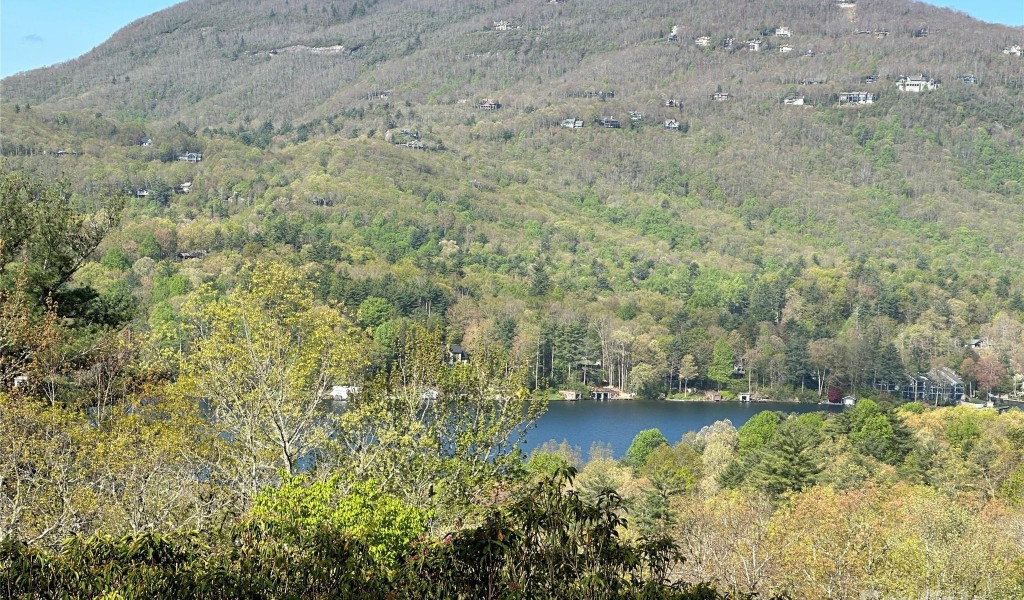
[(571, 395), (602, 393), (938, 386)]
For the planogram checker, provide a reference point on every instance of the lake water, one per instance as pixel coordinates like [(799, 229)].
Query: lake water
[(615, 423)]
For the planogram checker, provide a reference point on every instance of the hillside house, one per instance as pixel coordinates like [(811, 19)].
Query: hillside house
[(720, 96), (976, 343), (754, 45), (415, 145), (342, 393), (917, 83), (920, 33), (456, 354), (812, 82), (489, 104), (857, 98), (192, 254), (703, 41), (673, 36), (636, 115), (846, 3), (609, 122), (20, 381), (671, 103), (572, 123), (809, 54), (191, 157), (968, 79), (794, 101), (146, 142), (66, 153), (783, 32), (504, 26), (183, 188), (671, 124), (882, 34), (785, 49), (1015, 50), (142, 193), (602, 94), (379, 94), (869, 79), (727, 43)]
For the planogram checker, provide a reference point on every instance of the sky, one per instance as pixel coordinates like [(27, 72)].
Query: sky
[(38, 33)]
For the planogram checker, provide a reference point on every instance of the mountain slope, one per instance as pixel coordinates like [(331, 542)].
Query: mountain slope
[(901, 217)]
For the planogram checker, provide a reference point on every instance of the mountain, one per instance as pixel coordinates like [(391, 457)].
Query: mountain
[(760, 221), (204, 61)]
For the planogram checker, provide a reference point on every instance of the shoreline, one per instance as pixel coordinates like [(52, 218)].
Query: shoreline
[(698, 401)]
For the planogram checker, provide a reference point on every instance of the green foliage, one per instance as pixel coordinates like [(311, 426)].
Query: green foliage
[(42, 237), (963, 434), (644, 443), (374, 312), (759, 430), (299, 508), (876, 432), (549, 543), (722, 361)]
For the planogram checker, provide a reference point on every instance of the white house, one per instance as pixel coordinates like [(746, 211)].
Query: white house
[(857, 98), (783, 32), (916, 83)]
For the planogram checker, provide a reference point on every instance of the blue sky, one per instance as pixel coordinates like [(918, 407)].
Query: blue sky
[(37, 33)]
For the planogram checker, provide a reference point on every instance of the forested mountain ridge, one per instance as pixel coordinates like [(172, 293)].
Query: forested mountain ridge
[(890, 228), (233, 211), (208, 62)]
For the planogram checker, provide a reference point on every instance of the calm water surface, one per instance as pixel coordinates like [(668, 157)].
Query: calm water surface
[(615, 423)]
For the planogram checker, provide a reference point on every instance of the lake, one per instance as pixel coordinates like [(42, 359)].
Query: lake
[(616, 422)]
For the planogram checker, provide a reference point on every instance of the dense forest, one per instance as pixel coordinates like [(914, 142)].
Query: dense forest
[(228, 211)]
